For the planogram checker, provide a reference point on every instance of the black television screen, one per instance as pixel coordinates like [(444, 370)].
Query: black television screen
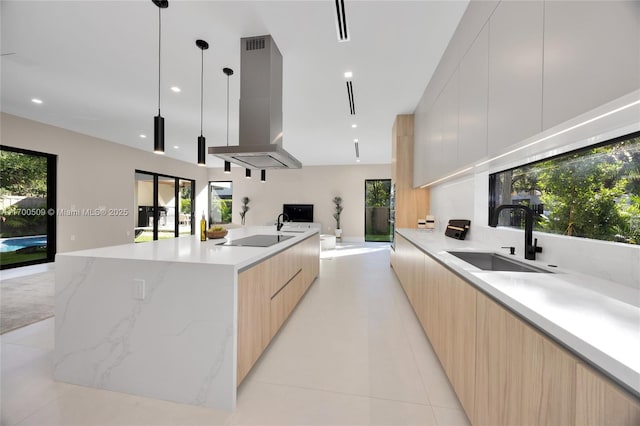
[(298, 212)]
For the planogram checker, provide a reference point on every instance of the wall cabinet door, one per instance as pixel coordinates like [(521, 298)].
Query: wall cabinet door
[(587, 56), (599, 403), (515, 73), (474, 90)]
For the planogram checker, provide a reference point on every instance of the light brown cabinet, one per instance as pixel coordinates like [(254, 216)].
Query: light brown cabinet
[(600, 403), (503, 371), (411, 203), (267, 294)]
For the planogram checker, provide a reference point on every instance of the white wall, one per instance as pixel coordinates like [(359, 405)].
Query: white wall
[(315, 185), (94, 173)]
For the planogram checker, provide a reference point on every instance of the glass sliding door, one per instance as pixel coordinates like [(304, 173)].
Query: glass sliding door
[(164, 205), (220, 202), (167, 202), (377, 218), (27, 207), (186, 215)]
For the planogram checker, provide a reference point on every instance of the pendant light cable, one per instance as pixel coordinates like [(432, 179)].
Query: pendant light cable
[(201, 85), (159, 52), (228, 106)]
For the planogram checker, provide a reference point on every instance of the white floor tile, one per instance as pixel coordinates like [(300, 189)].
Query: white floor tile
[(351, 353)]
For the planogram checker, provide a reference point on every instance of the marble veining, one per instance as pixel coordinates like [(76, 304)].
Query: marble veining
[(177, 341)]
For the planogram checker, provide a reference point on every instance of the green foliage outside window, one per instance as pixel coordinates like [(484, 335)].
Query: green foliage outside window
[(590, 193)]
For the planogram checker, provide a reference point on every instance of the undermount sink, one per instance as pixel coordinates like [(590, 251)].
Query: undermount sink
[(495, 262)]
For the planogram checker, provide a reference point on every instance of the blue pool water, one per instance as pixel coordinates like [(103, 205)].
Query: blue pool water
[(13, 244)]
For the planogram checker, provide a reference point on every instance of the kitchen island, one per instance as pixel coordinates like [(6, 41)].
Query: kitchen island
[(176, 319)]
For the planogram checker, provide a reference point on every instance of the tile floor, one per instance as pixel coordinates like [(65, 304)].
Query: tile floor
[(352, 353)]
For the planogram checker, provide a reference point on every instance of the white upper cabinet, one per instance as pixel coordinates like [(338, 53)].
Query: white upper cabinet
[(474, 88), (591, 55), (450, 107), (515, 73)]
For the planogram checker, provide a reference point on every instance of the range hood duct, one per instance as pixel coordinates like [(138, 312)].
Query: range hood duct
[(260, 144)]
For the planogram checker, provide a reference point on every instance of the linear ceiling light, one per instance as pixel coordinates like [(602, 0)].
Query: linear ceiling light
[(158, 120), (357, 151), (341, 21), (202, 144)]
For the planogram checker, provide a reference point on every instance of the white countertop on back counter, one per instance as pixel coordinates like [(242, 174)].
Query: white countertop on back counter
[(597, 319), (190, 249)]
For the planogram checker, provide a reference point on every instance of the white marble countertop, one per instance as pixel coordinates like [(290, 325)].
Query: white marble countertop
[(597, 319), (190, 249)]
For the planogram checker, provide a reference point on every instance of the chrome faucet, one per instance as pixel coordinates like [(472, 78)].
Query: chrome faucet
[(279, 224), (530, 249)]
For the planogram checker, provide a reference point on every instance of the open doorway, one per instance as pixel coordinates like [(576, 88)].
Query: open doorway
[(377, 218)]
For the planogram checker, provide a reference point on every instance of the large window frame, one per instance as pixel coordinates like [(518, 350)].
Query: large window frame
[(51, 206), (599, 185)]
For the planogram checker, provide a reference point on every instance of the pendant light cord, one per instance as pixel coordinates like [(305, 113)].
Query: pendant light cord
[(159, 50), (227, 110), (201, 85)]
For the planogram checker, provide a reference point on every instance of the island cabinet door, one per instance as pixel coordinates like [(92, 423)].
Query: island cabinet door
[(254, 291), (599, 402)]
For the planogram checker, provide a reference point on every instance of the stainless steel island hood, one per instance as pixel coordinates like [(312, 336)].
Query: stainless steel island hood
[(260, 144)]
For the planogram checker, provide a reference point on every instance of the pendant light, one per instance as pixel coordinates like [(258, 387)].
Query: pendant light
[(158, 120), (247, 173), (263, 176), (202, 145), (228, 72)]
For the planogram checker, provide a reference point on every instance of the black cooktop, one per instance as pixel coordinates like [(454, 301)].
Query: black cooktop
[(257, 241)]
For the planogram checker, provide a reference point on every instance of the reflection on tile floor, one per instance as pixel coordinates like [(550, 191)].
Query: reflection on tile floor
[(352, 353)]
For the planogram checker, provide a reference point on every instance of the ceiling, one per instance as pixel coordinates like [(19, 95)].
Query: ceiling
[(94, 65)]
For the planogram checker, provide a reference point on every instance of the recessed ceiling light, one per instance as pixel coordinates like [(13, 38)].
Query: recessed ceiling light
[(348, 74), (36, 101), (354, 125), (176, 147), (143, 136), (355, 140), (175, 89)]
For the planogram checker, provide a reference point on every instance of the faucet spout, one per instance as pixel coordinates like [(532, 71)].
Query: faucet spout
[(279, 224), (530, 246)]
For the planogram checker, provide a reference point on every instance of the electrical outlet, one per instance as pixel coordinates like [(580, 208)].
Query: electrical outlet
[(139, 291), (73, 237)]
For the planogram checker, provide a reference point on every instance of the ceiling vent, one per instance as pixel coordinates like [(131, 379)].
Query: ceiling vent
[(260, 144)]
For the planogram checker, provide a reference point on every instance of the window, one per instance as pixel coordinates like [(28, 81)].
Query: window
[(27, 207), (590, 193), (220, 202), (172, 198)]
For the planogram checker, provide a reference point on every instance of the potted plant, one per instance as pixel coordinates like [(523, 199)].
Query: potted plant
[(338, 210), (245, 208)]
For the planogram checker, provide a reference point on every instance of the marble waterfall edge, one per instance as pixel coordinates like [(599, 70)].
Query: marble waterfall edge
[(176, 343)]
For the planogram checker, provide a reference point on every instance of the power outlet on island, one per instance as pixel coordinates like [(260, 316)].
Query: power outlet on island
[(139, 291)]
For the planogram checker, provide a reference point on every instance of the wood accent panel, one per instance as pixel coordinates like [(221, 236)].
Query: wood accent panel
[(548, 382), (267, 294), (460, 337), (498, 365), (253, 309), (598, 402), (410, 204)]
